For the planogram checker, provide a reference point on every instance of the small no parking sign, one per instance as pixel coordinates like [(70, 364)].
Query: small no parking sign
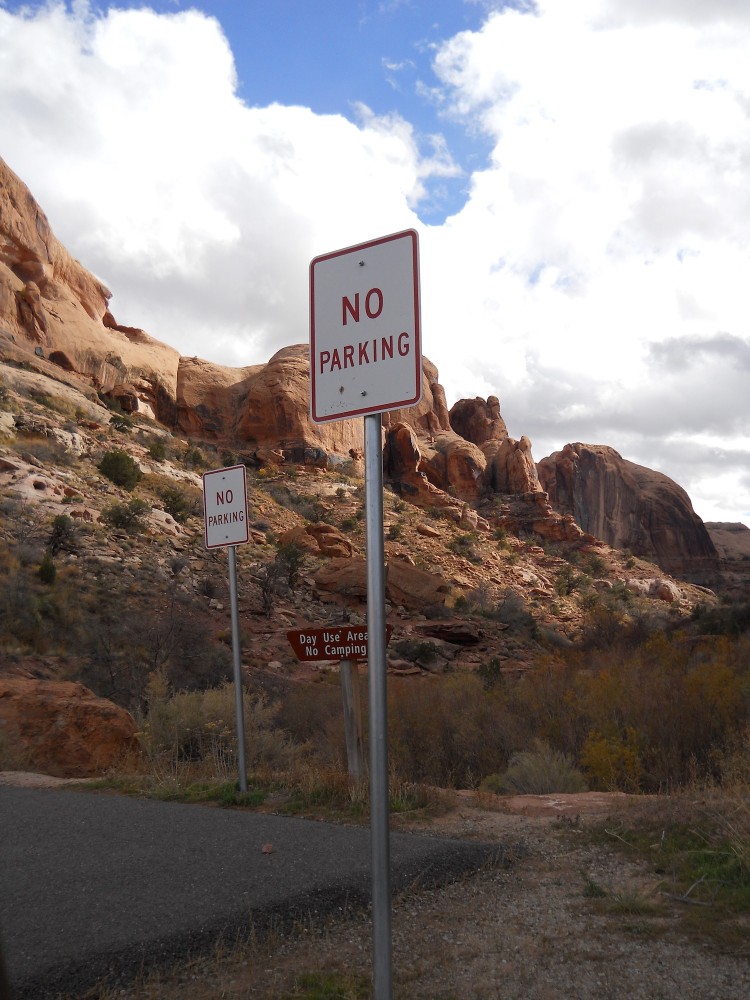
[(225, 507)]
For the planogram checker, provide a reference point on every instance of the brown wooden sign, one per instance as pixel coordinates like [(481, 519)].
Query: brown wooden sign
[(338, 642)]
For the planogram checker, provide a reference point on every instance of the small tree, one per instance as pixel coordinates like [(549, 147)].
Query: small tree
[(62, 537), (47, 570), (128, 516), (176, 503), (121, 469), (290, 558)]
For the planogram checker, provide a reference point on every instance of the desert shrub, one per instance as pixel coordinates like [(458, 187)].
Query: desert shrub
[(157, 450), (541, 771), (121, 469), (465, 545), (612, 760), (128, 637), (128, 516), (567, 580), (290, 558), (511, 610), (731, 618), (62, 537), (177, 503), (416, 650), (201, 726), (595, 565), (272, 580), (490, 673), (193, 458), (349, 524), (48, 451), (121, 422), (448, 731), (47, 570)]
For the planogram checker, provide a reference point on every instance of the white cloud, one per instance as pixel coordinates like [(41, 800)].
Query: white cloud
[(596, 278), (200, 212), (613, 218)]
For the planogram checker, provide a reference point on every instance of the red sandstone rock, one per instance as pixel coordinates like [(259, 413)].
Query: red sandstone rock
[(511, 467), (630, 507), (478, 421), (62, 728), (319, 537), (405, 584)]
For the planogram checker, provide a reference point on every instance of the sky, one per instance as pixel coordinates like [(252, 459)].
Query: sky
[(577, 170)]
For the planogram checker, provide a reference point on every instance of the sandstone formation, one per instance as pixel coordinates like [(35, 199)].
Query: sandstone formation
[(54, 313), (62, 728), (405, 584), (731, 540), (478, 421), (55, 321), (630, 507)]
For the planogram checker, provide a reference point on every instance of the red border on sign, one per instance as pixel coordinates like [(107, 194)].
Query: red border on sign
[(224, 545), (396, 404)]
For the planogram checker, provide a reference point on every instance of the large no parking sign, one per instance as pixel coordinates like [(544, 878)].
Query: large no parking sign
[(365, 338)]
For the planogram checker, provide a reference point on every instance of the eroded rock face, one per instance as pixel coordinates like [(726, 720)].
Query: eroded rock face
[(62, 728), (478, 420), (54, 312), (630, 507), (511, 467), (405, 584)]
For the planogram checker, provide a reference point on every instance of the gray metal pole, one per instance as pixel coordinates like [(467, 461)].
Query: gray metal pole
[(376, 670), (237, 666)]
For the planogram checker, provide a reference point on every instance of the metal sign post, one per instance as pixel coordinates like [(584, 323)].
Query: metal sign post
[(226, 526), (376, 674), (365, 359), (349, 644)]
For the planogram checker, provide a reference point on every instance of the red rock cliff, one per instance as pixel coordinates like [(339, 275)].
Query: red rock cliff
[(630, 507)]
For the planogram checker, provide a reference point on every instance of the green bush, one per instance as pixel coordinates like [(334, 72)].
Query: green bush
[(121, 469), (176, 503), (127, 516), (47, 571), (157, 450)]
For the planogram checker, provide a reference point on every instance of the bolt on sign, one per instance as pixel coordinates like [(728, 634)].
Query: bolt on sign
[(365, 338), (225, 507)]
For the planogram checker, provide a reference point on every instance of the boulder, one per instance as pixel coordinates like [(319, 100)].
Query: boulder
[(63, 728), (456, 465), (405, 584), (630, 507), (319, 537), (511, 467), (478, 420)]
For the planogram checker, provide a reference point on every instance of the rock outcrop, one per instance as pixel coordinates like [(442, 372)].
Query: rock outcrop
[(54, 313), (62, 728), (630, 507)]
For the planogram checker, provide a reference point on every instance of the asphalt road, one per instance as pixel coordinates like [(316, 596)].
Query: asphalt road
[(95, 886)]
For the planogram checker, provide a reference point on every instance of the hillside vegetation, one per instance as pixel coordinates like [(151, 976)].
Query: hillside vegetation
[(536, 668)]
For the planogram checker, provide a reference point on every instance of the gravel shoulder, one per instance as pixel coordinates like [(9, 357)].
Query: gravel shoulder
[(527, 931)]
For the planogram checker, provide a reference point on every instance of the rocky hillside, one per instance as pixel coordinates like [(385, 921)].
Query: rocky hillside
[(105, 578), (55, 321)]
